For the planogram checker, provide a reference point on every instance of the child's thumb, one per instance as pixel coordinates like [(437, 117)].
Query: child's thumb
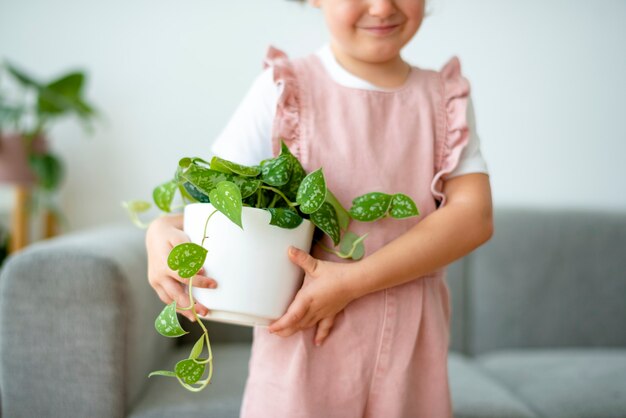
[(302, 259)]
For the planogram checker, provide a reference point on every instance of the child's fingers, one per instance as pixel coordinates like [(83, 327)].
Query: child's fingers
[(167, 299), (198, 280), (323, 329), (177, 293), (291, 319)]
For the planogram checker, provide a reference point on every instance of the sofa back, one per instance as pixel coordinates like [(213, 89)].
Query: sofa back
[(545, 279)]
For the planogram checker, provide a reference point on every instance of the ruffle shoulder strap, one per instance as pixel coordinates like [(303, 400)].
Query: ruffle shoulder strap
[(286, 125), (454, 135)]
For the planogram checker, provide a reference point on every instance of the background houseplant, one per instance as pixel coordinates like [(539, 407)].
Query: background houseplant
[(28, 108)]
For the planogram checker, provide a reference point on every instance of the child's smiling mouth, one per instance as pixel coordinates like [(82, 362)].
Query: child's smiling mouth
[(381, 30)]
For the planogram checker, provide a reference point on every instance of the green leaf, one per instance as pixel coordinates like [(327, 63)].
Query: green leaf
[(226, 166), (226, 198), (164, 194), (187, 258), (187, 197), (197, 348), (184, 162), (61, 95), (195, 193), (402, 206), (48, 169), (162, 373), (325, 218), (137, 206), (351, 245), (189, 371), (370, 207), (204, 180), (297, 175), (285, 218), (284, 149), (134, 208), (247, 186), (312, 192), (342, 214), (276, 172), (167, 322), (21, 76)]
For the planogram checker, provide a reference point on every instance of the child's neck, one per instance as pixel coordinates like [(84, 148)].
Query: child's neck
[(389, 74)]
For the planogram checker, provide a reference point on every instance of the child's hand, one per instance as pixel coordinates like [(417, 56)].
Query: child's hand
[(162, 235), (322, 296)]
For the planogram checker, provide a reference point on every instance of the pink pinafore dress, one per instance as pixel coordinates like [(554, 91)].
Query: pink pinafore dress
[(386, 355)]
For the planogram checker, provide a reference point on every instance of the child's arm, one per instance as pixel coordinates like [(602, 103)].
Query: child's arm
[(462, 225), (449, 233)]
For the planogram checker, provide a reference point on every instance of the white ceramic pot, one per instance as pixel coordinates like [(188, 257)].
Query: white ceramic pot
[(256, 280)]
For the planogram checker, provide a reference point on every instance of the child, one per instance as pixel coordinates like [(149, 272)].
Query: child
[(374, 123)]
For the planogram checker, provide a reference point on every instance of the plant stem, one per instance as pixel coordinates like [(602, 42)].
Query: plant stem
[(204, 236), (278, 192), (208, 344), (274, 199)]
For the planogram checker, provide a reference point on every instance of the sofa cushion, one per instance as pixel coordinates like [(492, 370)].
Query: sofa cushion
[(475, 394), (566, 383), (548, 279), (165, 397)]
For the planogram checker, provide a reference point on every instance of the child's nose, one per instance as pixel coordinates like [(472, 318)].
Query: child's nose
[(382, 8)]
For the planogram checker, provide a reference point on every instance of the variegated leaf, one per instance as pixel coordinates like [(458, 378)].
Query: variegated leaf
[(164, 194), (277, 171), (189, 371), (187, 258), (312, 192), (325, 218), (167, 323), (226, 198), (226, 166), (370, 207), (402, 206), (285, 218)]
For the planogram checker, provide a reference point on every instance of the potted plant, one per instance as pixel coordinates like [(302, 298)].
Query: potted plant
[(253, 213), (28, 108)]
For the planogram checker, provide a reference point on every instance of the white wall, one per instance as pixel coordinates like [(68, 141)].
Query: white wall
[(547, 80)]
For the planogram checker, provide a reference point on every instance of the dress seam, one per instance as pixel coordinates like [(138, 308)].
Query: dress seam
[(380, 347)]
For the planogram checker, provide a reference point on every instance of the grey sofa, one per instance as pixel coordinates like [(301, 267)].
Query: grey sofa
[(538, 328)]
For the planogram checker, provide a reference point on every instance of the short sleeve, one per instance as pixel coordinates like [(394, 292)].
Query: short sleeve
[(286, 124), (471, 159), (453, 135), (246, 137)]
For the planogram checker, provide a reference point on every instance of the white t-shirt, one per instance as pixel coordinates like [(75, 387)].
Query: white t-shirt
[(247, 138)]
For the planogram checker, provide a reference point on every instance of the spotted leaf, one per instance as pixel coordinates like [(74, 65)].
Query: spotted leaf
[(285, 218), (370, 207), (189, 371), (164, 194), (312, 192), (402, 206), (325, 218), (226, 166), (167, 322), (276, 172), (187, 258), (226, 198)]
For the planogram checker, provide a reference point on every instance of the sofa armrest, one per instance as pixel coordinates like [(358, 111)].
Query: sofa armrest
[(77, 333)]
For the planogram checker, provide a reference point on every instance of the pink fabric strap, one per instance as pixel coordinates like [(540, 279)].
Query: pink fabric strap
[(455, 135), (286, 123)]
